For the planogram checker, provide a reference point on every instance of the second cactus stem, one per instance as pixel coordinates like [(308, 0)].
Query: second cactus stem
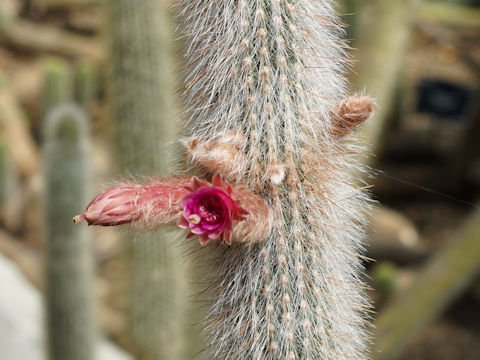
[(72, 332), (142, 109)]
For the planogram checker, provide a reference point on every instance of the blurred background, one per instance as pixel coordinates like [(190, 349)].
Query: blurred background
[(89, 90)]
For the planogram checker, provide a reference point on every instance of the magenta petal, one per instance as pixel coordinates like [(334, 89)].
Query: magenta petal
[(182, 222), (197, 230), (207, 226), (190, 208), (186, 200), (216, 233)]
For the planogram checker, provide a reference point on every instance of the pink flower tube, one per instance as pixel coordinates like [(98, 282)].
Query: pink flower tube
[(147, 205), (208, 210)]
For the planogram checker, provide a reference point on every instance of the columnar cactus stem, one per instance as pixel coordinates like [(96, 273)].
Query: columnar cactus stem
[(85, 83), (266, 111), (11, 202), (57, 87), (69, 268), (271, 71), (142, 108)]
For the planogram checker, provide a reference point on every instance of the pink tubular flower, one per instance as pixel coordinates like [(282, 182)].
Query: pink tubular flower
[(149, 204), (210, 210)]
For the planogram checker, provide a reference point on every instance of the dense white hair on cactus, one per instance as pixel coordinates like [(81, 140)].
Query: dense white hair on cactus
[(271, 71)]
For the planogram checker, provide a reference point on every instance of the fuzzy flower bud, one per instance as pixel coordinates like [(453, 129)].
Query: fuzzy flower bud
[(350, 113), (151, 204)]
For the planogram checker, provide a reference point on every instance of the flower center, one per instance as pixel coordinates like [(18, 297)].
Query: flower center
[(210, 209)]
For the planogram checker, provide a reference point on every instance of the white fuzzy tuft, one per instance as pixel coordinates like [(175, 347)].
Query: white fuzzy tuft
[(271, 70)]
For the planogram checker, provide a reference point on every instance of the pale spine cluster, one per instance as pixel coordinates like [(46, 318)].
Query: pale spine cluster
[(271, 71)]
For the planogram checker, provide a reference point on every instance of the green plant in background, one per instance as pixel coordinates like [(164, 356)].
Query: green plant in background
[(69, 296), (57, 87), (85, 87), (143, 112), (436, 285), (462, 2), (10, 188), (8, 175), (380, 30), (385, 274)]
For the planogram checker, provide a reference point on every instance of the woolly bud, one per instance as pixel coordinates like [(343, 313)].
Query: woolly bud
[(149, 204), (276, 173), (350, 113), (222, 155)]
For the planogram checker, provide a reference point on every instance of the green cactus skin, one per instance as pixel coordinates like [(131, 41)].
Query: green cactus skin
[(57, 87), (69, 270), (8, 176), (143, 112), (10, 188), (86, 83)]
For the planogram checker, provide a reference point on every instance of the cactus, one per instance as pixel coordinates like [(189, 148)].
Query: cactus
[(272, 71), (268, 131), (143, 111), (57, 87), (85, 83), (70, 319), (11, 202)]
